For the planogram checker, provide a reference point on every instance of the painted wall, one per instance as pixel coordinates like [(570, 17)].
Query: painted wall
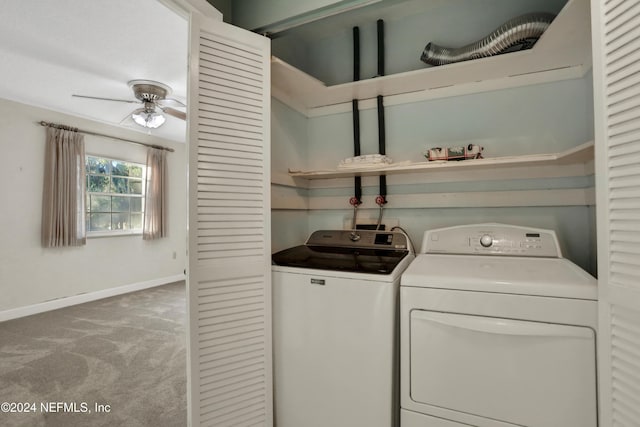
[(30, 274), (409, 26), (288, 149), (571, 223), (253, 14), (543, 118)]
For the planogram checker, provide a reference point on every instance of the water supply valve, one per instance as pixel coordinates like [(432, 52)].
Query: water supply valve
[(381, 201)]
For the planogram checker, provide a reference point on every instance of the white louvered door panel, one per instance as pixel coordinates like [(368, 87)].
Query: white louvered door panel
[(616, 72), (230, 380)]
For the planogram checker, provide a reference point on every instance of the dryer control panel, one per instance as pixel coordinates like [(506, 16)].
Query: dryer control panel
[(492, 239)]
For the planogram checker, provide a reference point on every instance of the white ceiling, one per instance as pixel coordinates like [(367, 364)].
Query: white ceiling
[(52, 49)]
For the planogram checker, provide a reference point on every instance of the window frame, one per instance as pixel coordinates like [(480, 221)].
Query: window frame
[(142, 197)]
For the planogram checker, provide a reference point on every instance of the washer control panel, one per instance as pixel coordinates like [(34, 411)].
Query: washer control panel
[(365, 239), (492, 239)]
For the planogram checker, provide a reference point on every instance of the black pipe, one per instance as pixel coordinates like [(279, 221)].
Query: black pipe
[(356, 127), (380, 47), (357, 181), (356, 54), (381, 127), (382, 144)]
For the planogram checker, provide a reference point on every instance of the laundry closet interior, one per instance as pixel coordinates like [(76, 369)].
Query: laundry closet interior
[(532, 112), (517, 105)]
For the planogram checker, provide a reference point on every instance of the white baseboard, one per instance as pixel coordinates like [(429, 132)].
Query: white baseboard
[(55, 304)]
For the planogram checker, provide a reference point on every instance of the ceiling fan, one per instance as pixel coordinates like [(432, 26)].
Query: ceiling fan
[(153, 97)]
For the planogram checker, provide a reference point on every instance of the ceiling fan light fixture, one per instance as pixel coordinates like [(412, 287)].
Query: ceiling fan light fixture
[(148, 118), (152, 95)]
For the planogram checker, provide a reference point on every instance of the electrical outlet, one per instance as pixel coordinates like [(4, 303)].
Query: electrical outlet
[(174, 255)]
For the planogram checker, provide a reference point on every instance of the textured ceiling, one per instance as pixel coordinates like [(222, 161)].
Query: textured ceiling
[(50, 50)]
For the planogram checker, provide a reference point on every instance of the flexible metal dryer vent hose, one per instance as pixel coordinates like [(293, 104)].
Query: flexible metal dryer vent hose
[(522, 31)]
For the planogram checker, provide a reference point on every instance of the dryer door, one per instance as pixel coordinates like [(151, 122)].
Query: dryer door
[(520, 372)]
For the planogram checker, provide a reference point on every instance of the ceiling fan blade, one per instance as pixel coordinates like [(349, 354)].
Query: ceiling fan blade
[(170, 101), (106, 99), (126, 120), (173, 112)]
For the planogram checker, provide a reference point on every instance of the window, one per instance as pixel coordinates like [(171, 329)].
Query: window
[(115, 196)]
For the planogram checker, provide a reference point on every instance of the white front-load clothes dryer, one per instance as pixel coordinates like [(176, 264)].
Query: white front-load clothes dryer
[(497, 330)]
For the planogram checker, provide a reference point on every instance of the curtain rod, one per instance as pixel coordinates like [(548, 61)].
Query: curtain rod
[(57, 126)]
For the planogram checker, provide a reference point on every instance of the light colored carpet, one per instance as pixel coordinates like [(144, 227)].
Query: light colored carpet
[(128, 352)]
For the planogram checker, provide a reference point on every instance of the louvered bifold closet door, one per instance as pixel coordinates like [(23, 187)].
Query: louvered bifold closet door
[(229, 227), (616, 52)]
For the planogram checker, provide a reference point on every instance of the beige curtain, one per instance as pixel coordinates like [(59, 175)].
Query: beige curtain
[(155, 210), (63, 195)]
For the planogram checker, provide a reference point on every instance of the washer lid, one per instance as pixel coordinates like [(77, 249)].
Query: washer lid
[(551, 277), (351, 260)]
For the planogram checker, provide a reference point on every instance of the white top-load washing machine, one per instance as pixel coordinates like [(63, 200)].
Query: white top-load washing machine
[(335, 329), (497, 329)]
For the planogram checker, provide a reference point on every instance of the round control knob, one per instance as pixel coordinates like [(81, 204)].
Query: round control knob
[(486, 241)]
